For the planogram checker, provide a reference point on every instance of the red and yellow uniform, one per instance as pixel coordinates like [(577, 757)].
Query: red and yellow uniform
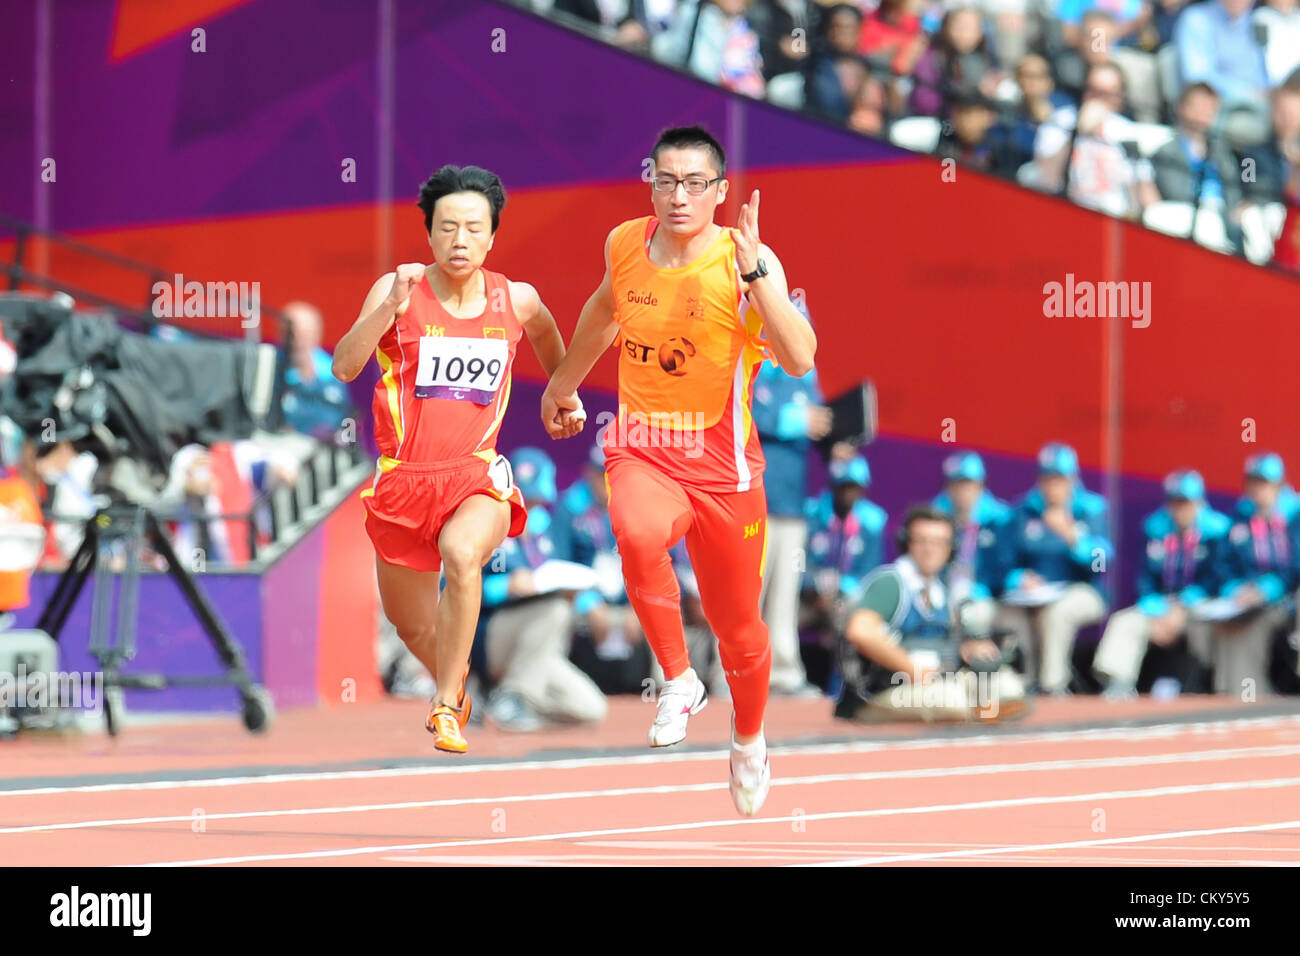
[(683, 456), (437, 410)]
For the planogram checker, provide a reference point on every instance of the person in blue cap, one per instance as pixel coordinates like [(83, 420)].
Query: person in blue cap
[(1262, 577), (789, 415), (1058, 550), (981, 520), (528, 635), (1183, 566), (846, 535)]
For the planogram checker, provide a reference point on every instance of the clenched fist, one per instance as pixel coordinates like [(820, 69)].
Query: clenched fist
[(405, 279)]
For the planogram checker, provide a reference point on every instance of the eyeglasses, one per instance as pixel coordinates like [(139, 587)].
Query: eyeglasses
[(695, 185)]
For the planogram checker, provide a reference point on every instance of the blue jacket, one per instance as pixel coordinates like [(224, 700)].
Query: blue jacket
[(529, 550), (851, 547), (983, 542), (581, 530), (781, 404), (1190, 568), (1264, 553), (1031, 547)]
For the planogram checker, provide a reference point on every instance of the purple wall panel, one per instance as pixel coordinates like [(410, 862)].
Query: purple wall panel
[(169, 639), (290, 596)]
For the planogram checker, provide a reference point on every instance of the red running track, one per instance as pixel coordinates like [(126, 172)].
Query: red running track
[(1081, 782)]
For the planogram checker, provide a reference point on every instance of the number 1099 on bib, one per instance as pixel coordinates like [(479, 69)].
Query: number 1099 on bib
[(460, 368)]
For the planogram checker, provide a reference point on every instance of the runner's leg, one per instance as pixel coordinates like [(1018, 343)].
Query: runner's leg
[(410, 600), (466, 543), (726, 544), (649, 513)]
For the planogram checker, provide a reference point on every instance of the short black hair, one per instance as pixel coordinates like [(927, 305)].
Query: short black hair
[(462, 179), (1201, 87), (923, 513), (691, 137)]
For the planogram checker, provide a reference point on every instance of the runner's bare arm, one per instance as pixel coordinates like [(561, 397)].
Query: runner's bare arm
[(539, 324), (788, 333), (596, 331), (385, 301)]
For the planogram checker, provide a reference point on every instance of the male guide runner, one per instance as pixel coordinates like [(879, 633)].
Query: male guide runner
[(443, 499), (695, 306)]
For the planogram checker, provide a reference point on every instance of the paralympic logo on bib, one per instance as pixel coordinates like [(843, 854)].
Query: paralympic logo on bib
[(653, 430)]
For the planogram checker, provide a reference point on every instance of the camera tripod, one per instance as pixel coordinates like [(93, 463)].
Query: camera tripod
[(130, 526)]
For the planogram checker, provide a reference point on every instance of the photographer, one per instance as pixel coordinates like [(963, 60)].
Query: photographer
[(906, 656)]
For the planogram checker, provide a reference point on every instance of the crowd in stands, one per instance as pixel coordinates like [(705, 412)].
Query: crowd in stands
[(1183, 115)]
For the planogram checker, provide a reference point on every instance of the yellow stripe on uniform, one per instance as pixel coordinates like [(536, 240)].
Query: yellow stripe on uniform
[(394, 398)]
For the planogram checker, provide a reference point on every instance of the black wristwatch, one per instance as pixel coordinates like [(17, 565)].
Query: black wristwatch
[(757, 273)]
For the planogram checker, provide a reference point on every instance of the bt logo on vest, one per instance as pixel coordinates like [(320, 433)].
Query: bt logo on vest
[(672, 354), (642, 298)]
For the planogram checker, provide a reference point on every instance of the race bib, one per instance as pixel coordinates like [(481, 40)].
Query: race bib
[(461, 368)]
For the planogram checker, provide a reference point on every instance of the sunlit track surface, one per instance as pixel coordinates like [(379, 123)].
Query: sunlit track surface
[(1079, 783)]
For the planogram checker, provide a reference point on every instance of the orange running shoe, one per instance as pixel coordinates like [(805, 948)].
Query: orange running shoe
[(444, 723)]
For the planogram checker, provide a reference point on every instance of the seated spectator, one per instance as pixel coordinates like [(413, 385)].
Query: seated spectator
[(315, 402), (1274, 169), (892, 36), (1165, 14), (627, 23), (1184, 558), (905, 656), (1261, 576), (956, 65), (845, 535), (964, 137), (836, 76), (892, 41), (1012, 138), (1057, 551), (69, 478), (1014, 30), (789, 415), (1092, 161), (713, 40), (1199, 169), (1127, 21), (528, 634), (1277, 24), (981, 521), (1092, 45), (192, 496), (1217, 45), (784, 51)]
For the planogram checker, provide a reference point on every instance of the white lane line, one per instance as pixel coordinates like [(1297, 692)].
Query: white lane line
[(1125, 734), (1222, 787), (1202, 756), (1075, 844)]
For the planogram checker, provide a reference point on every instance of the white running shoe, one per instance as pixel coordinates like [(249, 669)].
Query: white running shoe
[(751, 774), (678, 700)]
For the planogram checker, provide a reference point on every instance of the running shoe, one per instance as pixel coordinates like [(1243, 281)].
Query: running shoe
[(444, 723), (751, 774), (678, 700)]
